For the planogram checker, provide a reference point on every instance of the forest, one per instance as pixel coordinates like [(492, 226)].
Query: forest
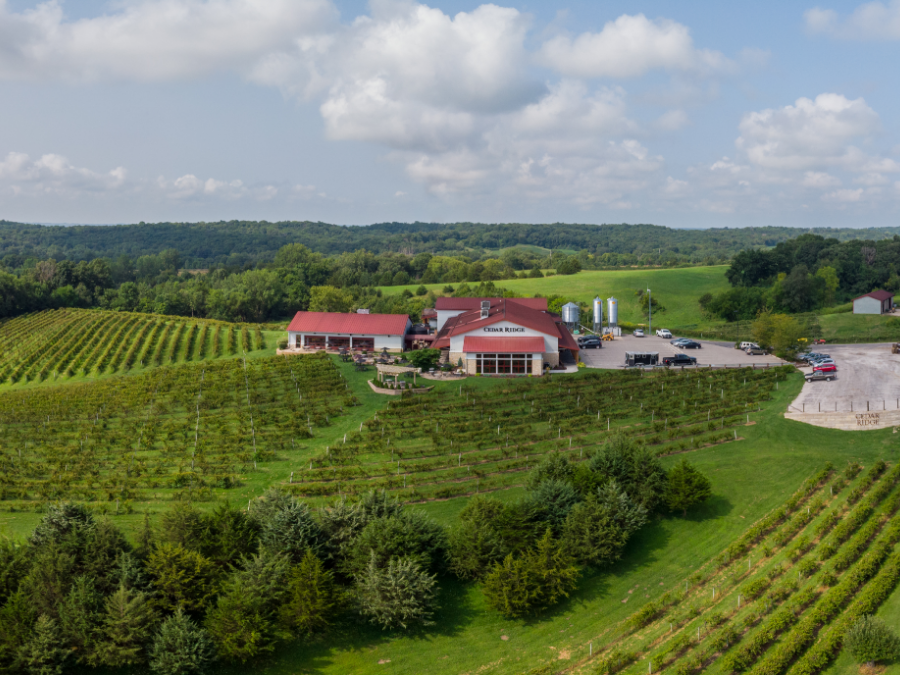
[(805, 274), (237, 243)]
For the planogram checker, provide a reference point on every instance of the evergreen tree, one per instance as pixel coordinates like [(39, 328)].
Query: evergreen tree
[(126, 630), (406, 534), (146, 538), (14, 564), (398, 595), (60, 521), (552, 501), (181, 647), (592, 535), (17, 619), (182, 526), (312, 598), (229, 535), (79, 619), (290, 529), (181, 579), (686, 487), (555, 466), (474, 547), (244, 621), (512, 588), (629, 516), (555, 570), (43, 655)]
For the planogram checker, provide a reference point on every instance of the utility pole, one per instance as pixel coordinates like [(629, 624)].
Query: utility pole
[(650, 309)]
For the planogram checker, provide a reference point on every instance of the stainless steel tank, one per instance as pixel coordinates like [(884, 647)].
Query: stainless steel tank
[(612, 311), (598, 311), (571, 313)]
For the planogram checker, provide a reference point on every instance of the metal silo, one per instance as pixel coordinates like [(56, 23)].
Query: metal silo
[(598, 314), (571, 313), (612, 311)]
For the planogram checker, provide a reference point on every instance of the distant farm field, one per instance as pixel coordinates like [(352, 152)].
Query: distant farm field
[(678, 290)]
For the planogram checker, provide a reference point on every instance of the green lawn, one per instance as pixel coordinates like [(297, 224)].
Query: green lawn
[(852, 328), (677, 289), (750, 478)]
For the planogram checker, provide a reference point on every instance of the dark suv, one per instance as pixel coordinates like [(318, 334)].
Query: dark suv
[(679, 360), (590, 342)]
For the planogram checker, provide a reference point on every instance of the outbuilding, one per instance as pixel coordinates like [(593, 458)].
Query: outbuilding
[(504, 336), (334, 330), (876, 302)]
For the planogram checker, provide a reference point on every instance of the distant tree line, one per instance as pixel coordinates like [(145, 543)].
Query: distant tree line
[(232, 585), (237, 243), (805, 274)]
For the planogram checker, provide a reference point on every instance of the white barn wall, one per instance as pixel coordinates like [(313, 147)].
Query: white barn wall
[(866, 306)]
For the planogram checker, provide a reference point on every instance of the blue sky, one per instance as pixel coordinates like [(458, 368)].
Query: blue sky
[(682, 114)]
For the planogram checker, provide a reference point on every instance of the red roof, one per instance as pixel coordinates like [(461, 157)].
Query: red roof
[(334, 323), (566, 341), (503, 345), (881, 296), (466, 304), (505, 310)]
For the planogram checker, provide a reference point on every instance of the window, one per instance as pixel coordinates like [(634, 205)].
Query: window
[(503, 364)]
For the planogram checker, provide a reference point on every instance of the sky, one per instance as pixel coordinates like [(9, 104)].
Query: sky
[(699, 114)]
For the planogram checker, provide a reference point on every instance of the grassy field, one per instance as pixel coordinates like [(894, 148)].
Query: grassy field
[(750, 478), (852, 328), (678, 290)]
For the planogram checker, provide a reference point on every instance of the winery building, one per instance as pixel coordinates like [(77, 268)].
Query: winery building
[(503, 336), (333, 330)]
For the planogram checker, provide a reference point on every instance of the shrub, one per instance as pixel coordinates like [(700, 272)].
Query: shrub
[(870, 640), (686, 487)]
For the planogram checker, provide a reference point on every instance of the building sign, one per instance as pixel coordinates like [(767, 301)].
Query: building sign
[(491, 329), (868, 420)]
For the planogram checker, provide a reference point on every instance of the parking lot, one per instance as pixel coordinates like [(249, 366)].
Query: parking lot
[(716, 354), (868, 379)]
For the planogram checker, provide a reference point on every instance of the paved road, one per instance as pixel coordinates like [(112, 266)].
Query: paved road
[(868, 375), (613, 353)]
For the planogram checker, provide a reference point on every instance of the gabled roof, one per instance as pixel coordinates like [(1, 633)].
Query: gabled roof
[(881, 296), (506, 309), (466, 304), (503, 345), (349, 324)]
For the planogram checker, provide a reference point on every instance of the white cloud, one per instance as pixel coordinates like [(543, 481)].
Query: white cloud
[(189, 187), (869, 21), (153, 40), (53, 174), (819, 179), (809, 135), (845, 195), (630, 46)]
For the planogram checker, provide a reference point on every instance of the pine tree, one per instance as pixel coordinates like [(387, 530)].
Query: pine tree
[(397, 596), (686, 487), (146, 538), (42, 655), (79, 619), (554, 568), (126, 628), (181, 647), (312, 597), (511, 588)]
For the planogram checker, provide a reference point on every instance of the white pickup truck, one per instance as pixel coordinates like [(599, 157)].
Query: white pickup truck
[(664, 333)]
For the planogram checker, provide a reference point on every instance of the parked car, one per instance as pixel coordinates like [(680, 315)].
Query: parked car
[(690, 344), (638, 332), (825, 368), (755, 351), (744, 345), (821, 362), (678, 341), (591, 342), (817, 375), (664, 333), (679, 360), (813, 356)]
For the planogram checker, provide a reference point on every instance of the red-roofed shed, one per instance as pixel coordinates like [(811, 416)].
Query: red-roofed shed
[(876, 302)]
